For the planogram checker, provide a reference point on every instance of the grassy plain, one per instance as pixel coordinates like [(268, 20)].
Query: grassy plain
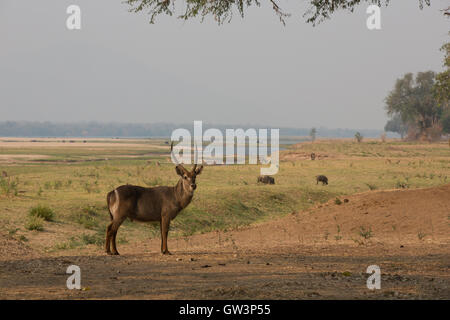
[(70, 177)]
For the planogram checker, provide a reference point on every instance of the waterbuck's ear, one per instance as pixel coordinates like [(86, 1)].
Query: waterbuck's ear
[(180, 170), (198, 170)]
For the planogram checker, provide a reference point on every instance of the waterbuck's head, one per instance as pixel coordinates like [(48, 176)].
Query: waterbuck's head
[(187, 177)]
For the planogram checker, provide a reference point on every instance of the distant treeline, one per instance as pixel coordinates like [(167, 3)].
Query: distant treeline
[(142, 130)]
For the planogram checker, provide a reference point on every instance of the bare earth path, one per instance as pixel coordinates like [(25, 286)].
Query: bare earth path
[(321, 253)]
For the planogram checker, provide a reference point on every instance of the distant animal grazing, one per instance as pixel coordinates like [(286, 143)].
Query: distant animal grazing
[(161, 204), (313, 156), (4, 174), (158, 164), (322, 179), (266, 180)]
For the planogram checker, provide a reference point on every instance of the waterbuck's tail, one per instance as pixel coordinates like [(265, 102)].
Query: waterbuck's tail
[(111, 195)]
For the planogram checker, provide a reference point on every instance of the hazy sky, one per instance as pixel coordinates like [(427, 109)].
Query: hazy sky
[(121, 68)]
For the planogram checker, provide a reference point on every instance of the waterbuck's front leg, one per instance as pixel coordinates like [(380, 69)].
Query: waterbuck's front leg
[(164, 225)]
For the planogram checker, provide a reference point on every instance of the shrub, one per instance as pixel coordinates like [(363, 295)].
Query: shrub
[(42, 212), (401, 185), (371, 186), (87, 218), (96, 239), (358, 137), (35, 223), (8, 186), (57, 184), (365, 233)]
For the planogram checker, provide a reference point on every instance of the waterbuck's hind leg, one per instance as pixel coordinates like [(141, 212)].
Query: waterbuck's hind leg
[(109, 198), (114, 228), (108, 239), (118, 215)]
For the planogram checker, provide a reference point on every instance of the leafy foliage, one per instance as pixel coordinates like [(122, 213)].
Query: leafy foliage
[(222, 10), (34, 223), (8, 186), (397, 125), (43, 212), (442, 89), (414, 101)]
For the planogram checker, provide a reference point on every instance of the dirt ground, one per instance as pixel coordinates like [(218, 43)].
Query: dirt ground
[(321, 253)]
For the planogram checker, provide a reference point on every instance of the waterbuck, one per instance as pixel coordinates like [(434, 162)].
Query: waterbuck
[(161, 204)]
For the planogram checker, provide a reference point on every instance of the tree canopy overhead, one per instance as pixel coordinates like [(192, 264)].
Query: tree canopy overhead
[(222, 10)]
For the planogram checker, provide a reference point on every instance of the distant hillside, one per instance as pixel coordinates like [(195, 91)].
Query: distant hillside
[(97, 129)]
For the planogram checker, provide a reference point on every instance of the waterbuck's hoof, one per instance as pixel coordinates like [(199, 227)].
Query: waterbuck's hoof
[(116, 253), (166, 252)]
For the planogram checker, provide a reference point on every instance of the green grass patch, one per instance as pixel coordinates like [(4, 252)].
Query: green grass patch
[(9, 186), (43, 212), (34, 223)]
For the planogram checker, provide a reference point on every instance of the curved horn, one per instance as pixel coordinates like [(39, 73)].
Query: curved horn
[(172, 156), (195, 157)]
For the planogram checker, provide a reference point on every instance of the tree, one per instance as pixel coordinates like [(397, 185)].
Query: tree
[(312, 134), (414, 100), (446, 122), (358, 137), (397, 125), (442, 89), (222, 10)]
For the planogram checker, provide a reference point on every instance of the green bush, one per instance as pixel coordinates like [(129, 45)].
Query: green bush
[(8, 186), (96, 239), (88, 218), (401, 185), (371, 186), (42, 212), (366, 233), (35, 223)]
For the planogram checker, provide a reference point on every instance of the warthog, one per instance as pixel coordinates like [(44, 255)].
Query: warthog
[(266, 180), (322, 179), (313, 156)]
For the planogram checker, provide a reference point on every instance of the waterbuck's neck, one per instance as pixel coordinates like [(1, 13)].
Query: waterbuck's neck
[(182, 196)]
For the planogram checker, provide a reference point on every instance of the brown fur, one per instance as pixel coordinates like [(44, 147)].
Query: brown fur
[(150, 204), (266, 180), (322, 179)]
